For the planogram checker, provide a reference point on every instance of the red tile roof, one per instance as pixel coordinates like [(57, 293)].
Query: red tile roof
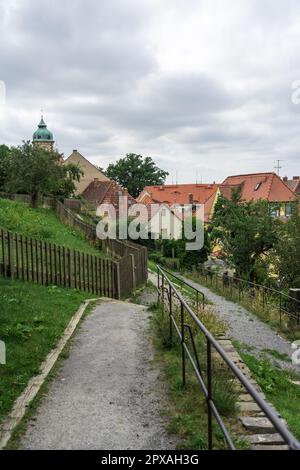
[(181, 194), (178, 193), (102, 192), (268, 186), (294, 185)]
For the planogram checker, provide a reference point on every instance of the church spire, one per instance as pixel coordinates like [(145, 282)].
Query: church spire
[(42, 136)]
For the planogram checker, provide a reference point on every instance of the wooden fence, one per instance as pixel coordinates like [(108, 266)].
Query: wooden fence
[(130, 267), (46, 263), (132, 258)]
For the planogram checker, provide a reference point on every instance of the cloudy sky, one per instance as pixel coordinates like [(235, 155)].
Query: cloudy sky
[(202, 86)]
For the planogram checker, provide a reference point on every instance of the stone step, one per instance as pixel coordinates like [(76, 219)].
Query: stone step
[(257, 425), (270, 447), (248, 397), (248, 406), (265, 439)]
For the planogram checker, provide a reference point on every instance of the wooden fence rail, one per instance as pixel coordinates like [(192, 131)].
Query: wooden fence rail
[(46, 263), (129, 269)]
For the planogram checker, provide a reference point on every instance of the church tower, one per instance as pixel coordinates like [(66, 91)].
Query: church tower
[(43, 137)]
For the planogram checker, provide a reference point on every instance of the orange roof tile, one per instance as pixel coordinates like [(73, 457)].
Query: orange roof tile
[(268, 186), (105, 192), (178, 193)]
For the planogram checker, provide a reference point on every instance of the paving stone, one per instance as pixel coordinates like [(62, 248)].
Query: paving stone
[(270, 447), (245, 397), (258, 425), (264, 439), (250, 406)]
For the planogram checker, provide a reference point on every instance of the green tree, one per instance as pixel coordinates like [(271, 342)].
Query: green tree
[(187, 258), (38, 172), (247, 232), (134, 172), (287, 251), (4, 165)]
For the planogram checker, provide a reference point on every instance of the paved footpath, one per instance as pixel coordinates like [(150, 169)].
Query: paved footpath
[(247, 328), (106, 394)]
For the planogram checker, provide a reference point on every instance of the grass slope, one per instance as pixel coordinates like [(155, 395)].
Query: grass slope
[(32, 320), (42, 224), (279, 389)]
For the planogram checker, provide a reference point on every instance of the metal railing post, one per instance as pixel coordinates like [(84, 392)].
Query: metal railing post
[(206, 380), (163, 292), (280, 307), (170, 313), (182, 343), (209, 396)]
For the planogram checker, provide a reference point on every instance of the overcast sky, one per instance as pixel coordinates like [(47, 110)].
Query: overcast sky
[(202, 86)]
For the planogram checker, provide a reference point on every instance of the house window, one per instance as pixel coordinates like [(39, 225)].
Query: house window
[(275, 212), (164, 233), (288, 210), (257, 186), (163, 212)]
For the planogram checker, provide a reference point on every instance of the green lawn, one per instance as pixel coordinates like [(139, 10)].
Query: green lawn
[(42, 224), (32, 320), (278, 388)]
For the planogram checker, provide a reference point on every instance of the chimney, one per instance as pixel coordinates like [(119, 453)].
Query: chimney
[(191, 199), (285, 179), (296, 177), (96, 179)]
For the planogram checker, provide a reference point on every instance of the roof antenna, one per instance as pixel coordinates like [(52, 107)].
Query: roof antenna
[(176, 177), (197, 176), (278, 167)]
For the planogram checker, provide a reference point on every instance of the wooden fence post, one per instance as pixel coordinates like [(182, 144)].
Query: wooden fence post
[(11, 254), (117, 283), (133, 272)]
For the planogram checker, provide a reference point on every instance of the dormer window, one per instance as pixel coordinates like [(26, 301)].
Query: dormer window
[(257, 186)]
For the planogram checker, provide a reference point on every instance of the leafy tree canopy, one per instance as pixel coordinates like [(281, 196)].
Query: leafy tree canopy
[(38, 172), (4, 164), (134, 172), (287, 253), (246, 231)]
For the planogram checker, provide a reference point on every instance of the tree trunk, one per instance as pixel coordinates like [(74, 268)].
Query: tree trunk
[(34, 200)]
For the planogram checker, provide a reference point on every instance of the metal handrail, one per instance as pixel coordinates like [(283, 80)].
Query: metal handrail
[(264, 289), (197, 289), (287, 436)]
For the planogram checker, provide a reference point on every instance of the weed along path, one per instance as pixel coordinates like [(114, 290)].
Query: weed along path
[(106, 393), (249, 330)]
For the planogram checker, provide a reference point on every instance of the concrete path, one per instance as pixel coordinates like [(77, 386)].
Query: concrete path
[(106, 395)]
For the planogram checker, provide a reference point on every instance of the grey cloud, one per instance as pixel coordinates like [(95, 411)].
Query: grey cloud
[(96, 69)]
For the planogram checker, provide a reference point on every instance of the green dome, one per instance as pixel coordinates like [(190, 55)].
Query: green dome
[(42, 134)]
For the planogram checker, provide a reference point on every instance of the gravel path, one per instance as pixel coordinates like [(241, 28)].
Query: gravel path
[(248, 329), (106, 395)]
